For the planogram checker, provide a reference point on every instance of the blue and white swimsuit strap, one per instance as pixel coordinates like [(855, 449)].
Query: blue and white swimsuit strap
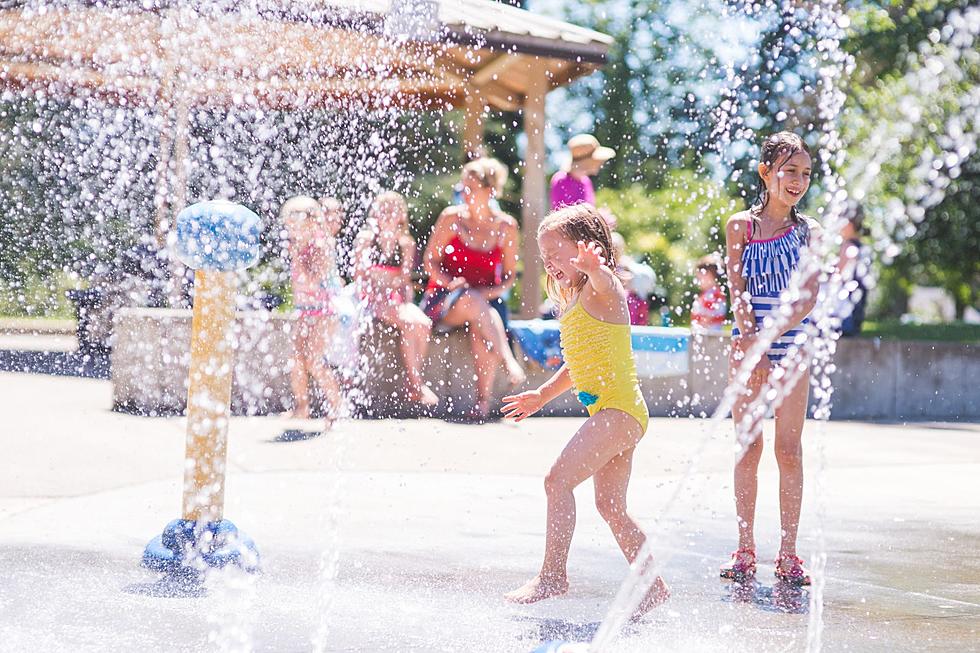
[(767, 266)]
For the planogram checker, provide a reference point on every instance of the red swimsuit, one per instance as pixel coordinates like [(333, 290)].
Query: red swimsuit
[(481, 269)]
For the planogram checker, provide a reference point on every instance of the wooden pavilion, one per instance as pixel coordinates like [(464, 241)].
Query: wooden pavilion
[(175, 55)]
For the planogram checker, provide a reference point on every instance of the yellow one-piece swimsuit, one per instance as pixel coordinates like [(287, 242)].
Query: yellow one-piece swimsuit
[(600, 362)]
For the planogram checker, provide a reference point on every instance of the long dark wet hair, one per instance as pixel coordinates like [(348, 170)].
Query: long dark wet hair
[(777, 149)]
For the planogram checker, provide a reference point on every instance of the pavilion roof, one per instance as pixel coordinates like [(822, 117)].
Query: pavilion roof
[(306, 53)]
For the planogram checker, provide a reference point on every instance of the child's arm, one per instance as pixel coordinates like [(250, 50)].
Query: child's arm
[(736, 235), (809, 289), (409, 249), (362, 262), (525, 404), (592, 263), (442, 235)]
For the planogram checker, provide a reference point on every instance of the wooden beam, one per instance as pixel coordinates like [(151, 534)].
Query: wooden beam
[(502, 97), (493, 69), (534, 199), (474, 113)]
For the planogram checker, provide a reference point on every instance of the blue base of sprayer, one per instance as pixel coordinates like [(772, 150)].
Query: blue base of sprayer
[(187, 549)]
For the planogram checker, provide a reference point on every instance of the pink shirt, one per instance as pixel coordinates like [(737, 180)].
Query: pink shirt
[(567, 189)]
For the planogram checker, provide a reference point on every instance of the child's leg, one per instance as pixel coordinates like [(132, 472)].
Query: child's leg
[(604, 436), (325, 378), (748, 430), (611, 483), (415, 327), (298, 375), (790, 417)]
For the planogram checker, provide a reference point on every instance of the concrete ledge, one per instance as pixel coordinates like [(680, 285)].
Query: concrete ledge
[(873, 379), (37, 326), (906, 380), (151, 355)]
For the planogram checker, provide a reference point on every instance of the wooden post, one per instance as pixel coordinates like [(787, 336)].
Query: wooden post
[(161, 199), (209, 395), (535, 196), (474, 112), (177, 170)]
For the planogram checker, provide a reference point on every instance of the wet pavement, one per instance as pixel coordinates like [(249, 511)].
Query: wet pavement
[(431, 522)]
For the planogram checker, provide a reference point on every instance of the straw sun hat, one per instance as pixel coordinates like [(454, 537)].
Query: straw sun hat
[(586, 146)]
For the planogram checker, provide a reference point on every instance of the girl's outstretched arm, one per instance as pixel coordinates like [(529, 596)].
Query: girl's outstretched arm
[(525, 404), (592, 263)]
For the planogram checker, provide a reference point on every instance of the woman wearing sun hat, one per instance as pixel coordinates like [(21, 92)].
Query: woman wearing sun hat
[(573, 184)]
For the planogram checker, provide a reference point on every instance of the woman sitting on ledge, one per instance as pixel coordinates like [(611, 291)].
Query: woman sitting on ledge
[(471, 260)]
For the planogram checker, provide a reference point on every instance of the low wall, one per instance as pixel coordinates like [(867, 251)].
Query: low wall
[(873, 380), (151, 356), (889, 379)]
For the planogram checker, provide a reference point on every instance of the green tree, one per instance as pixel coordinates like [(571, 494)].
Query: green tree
[(672, 227), (653, 97), (912, 118)]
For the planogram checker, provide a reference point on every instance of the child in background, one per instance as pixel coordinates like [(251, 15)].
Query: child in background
[(579, 259), (710, 307), (853, 265), (340, 349), (383, 262), (764, 246), (639, 279), (313, 273)]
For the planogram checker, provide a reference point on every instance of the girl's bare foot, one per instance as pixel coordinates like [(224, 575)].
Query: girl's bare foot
[(515, 373), (482, 408), (657, 594), (423, 395), (537, 589), (299, 412)]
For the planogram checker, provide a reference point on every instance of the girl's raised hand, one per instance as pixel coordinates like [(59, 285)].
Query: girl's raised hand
[(522, 405), (590, 259)]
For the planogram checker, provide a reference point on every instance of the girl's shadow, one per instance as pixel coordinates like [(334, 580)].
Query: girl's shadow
[(782, 597), (545, 629), (296, 435)]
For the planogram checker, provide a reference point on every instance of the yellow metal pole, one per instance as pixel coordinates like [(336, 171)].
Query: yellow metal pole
[(209, 395), (215, 238)]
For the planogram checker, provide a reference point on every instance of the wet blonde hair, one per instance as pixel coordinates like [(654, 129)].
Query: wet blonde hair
[(579, 222), (299, 204), (399, 199), (491, 173), (331, 204)]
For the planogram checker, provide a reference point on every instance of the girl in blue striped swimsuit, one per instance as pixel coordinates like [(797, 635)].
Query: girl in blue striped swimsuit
[(764, 247)]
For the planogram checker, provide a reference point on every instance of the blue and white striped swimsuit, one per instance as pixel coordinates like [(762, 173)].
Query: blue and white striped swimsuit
[(767, 266)]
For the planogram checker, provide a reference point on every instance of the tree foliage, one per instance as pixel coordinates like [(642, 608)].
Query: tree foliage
[(913, 116)]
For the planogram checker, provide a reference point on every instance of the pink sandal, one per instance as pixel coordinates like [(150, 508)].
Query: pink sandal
[(740, 567), (796, 574)]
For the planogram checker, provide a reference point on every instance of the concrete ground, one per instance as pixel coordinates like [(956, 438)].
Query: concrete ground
[(428, 523)]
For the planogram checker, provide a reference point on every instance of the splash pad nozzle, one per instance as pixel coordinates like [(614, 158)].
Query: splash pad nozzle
[(214, 238)]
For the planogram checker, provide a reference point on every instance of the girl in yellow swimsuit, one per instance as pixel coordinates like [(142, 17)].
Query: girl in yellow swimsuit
[(576, 246)]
